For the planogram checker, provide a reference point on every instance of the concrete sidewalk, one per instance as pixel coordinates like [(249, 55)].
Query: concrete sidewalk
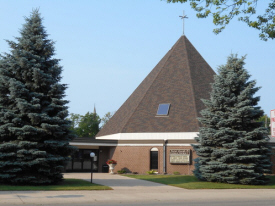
[(118, 182), (127, 191)]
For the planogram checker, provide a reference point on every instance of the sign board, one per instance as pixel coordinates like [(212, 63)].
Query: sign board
[(180, 156), (272, 122)]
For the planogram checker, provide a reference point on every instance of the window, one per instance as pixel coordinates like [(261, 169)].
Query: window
[(163, 109), (154, 158)]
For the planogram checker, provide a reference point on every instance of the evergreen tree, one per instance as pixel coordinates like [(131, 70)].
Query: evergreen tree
[(233, 147), (34, 132)]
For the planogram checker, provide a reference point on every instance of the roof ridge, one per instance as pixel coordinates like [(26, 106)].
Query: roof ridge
[(192, 85), (169, 55)]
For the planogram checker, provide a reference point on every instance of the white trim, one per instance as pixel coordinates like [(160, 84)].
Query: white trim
[(140, 145), (151, 136), (92, 144), (180, 145), (115, 145), (126, 145)]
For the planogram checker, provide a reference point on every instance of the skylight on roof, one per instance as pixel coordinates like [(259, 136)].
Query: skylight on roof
[(163, 109)]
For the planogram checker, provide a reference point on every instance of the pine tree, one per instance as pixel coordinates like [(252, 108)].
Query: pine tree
[(233, 147), (34, 132)]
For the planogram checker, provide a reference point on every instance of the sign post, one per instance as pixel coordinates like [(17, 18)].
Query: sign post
[(272, 122), (92, 155)]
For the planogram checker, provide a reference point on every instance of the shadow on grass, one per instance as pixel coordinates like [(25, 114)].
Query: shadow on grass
[(67, 184)]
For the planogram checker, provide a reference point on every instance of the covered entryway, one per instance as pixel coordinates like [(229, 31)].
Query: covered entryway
[(81, 161)]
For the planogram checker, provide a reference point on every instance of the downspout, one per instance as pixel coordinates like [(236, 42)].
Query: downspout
[(164, 156)]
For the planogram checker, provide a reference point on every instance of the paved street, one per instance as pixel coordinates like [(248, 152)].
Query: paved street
[(128, 191)]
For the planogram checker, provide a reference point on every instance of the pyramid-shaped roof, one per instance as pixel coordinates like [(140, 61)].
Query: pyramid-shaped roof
[(181, 78)]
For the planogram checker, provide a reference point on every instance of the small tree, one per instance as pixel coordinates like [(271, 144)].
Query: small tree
[(85, 125), (74, 119), (89, 125), (233, 147), (34, 132)]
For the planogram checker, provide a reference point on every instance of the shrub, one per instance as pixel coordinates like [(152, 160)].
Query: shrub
[(151, 172), (121, 171)]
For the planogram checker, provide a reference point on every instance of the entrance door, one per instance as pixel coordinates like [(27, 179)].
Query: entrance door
[(154, 163), (81, 161)]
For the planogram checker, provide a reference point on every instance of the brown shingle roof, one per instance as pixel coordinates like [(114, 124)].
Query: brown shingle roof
[(182, 78)]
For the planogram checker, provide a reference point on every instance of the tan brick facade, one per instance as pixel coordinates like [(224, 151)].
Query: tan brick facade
[(134, 155), (137, 159)]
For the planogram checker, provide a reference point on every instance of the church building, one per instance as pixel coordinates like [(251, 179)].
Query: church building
[(157, 124), (155, 127)]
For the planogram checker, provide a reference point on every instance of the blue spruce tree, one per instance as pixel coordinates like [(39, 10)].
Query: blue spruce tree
[(34, 132), (233, 147)]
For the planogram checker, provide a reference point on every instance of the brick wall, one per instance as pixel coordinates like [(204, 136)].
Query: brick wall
[(137, 159), (134, 159)]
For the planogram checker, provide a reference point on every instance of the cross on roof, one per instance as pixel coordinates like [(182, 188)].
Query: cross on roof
[(183, 17)]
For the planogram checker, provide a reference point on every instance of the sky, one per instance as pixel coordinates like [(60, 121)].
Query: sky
[(108, 47)]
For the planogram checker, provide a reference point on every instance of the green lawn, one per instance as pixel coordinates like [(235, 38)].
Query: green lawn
[(67, 184), (191, 182)]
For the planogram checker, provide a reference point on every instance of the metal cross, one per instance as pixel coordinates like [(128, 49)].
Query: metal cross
[(183, 17)]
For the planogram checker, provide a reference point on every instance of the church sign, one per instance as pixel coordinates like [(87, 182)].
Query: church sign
[(180, 156)]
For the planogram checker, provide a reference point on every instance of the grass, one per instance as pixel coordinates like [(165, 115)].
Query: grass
[(191, 182), (67, 184)]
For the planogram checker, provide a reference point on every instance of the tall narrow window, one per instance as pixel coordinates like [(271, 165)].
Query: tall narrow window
[(163, 109), (154, 160)]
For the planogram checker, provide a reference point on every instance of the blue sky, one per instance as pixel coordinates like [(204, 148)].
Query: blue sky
[(108, 47)]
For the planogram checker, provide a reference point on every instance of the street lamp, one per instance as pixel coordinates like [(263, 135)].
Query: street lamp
[(92, 155)]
